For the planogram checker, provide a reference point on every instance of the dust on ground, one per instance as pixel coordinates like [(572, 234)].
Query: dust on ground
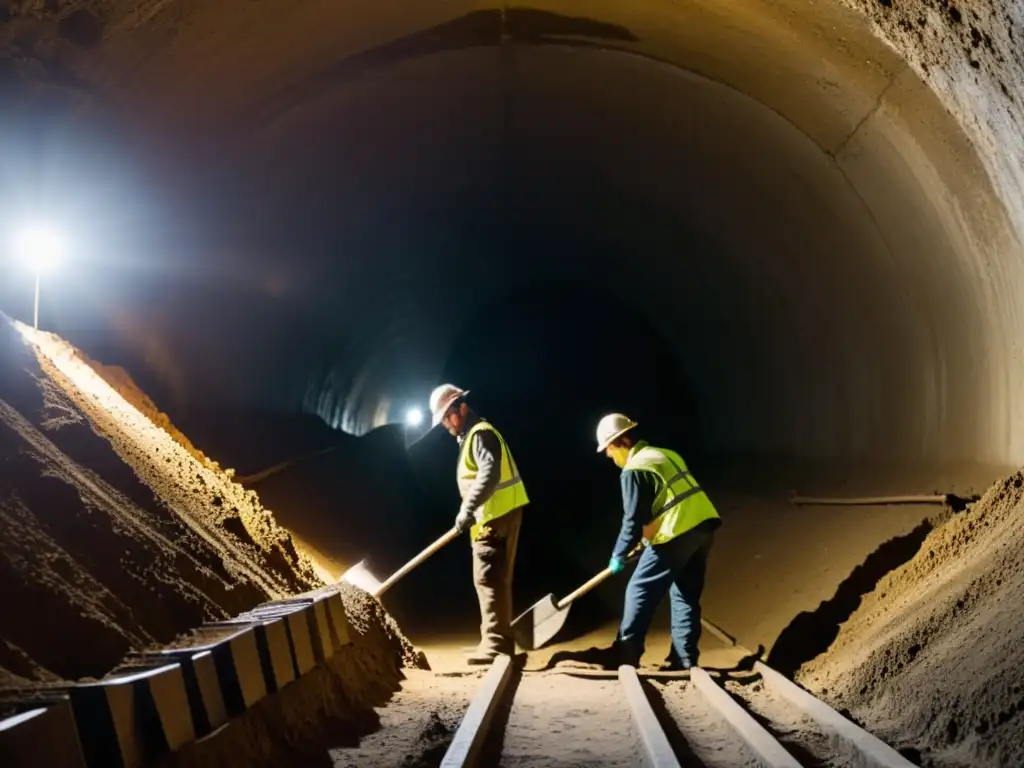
[(416, 726), (557, 721), (802, 737), (707, 736), (933, 659)]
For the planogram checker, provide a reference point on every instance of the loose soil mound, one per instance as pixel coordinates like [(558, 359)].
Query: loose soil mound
[(933, 659), (114, 535), (121, 382)]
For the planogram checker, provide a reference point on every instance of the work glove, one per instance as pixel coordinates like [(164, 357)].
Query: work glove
[(464, 521), (616, 564)]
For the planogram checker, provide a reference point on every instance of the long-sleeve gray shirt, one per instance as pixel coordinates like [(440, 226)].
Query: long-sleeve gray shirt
[(486, 448)]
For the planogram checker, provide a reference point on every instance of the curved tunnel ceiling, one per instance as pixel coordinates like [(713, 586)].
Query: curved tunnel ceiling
[(780, 183)]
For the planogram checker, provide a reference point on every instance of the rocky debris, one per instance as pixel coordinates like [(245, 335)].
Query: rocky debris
[(111, 539), (933, 659)]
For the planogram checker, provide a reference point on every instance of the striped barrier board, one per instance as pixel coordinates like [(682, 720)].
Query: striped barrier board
[(297, 622), (157, 701), (316, 610), (236, 661), (341, 632), (41, 737), (274, 647), (202, 685), (128, 719)]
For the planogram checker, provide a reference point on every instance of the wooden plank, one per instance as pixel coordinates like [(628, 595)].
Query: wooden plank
[(236, 658), (761, 743), (296, 616), (127, 720), (41, 737), (608, 674), (659, 752), (467, 745), (870, 747), (339, 620)]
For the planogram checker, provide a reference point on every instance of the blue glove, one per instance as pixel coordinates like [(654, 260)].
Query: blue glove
[(464, 521), (616, 564)]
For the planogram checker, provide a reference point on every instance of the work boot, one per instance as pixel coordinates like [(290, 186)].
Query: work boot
[(674, 664), (624, 653), (481, 657)]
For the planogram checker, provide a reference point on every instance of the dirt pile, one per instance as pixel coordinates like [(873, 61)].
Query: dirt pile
[(121, 382), (933, 659), (114, 535)]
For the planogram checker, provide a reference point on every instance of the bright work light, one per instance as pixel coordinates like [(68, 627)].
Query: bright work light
[(40, 248), (414, 417)]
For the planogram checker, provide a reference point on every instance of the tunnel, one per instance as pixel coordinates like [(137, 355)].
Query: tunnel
[(784, 236), (828, 242)]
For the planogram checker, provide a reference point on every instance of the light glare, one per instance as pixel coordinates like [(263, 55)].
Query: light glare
[(41, 248), (414, 417)]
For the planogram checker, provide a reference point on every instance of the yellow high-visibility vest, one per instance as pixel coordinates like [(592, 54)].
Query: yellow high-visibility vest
[(680, 504), (510, 493)]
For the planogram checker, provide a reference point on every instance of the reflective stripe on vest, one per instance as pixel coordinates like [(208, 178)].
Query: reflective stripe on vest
[(681, 503), (509, 494)]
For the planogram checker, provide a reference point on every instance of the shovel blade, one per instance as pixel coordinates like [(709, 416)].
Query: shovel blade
[(359, 576), (537, 626)]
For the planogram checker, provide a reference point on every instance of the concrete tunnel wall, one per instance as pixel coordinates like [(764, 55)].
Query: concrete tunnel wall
[(860, 263), (859, 227)]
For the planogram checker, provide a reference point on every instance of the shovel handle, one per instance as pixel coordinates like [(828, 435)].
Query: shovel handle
[(581, 591), (397, 575)]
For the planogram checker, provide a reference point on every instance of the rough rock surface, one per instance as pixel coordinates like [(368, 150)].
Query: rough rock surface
[(971, 52), (114, 535), (933, 660)]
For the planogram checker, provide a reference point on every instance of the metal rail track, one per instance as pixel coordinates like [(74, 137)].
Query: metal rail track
[(857, 745)]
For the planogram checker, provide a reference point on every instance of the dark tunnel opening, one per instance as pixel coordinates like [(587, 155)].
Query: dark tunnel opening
[(546, 362)]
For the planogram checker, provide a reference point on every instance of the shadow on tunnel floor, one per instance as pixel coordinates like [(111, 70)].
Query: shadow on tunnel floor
[(811, 633)]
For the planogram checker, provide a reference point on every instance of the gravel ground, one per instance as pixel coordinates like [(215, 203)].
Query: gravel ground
[(708, 737), (800, 735), (416, 725), (566, 721)]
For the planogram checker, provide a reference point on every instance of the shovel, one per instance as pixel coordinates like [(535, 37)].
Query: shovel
[(536, 626), (361, 577)]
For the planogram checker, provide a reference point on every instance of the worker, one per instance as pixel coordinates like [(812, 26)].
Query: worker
[(493, 497), (666, 509)]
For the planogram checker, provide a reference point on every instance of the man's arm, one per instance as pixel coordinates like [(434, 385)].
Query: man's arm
[(486, 449), (637, 498)]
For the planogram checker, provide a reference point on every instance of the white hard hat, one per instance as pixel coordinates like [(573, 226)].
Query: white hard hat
[(611, 428), (441, 399)]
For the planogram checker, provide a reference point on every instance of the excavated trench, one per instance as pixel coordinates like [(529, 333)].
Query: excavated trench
[(795, 225)]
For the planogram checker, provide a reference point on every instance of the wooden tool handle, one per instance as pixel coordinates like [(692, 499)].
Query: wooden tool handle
[(397, 575), (581, 591)]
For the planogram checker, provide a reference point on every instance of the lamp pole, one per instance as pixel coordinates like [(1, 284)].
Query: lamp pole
[(35, 313)]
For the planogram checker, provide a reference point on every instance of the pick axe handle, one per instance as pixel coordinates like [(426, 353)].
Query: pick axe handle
[(397, 575)]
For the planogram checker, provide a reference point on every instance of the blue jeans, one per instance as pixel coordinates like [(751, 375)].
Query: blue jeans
[(676, 567)]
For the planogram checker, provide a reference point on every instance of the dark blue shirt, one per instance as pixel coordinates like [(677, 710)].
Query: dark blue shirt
[(639, 489)]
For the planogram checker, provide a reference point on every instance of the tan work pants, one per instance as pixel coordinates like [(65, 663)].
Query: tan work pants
[(494, 558)]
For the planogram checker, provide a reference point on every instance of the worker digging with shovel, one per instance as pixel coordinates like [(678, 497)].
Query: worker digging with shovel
[(665, 507), (493, 497)]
